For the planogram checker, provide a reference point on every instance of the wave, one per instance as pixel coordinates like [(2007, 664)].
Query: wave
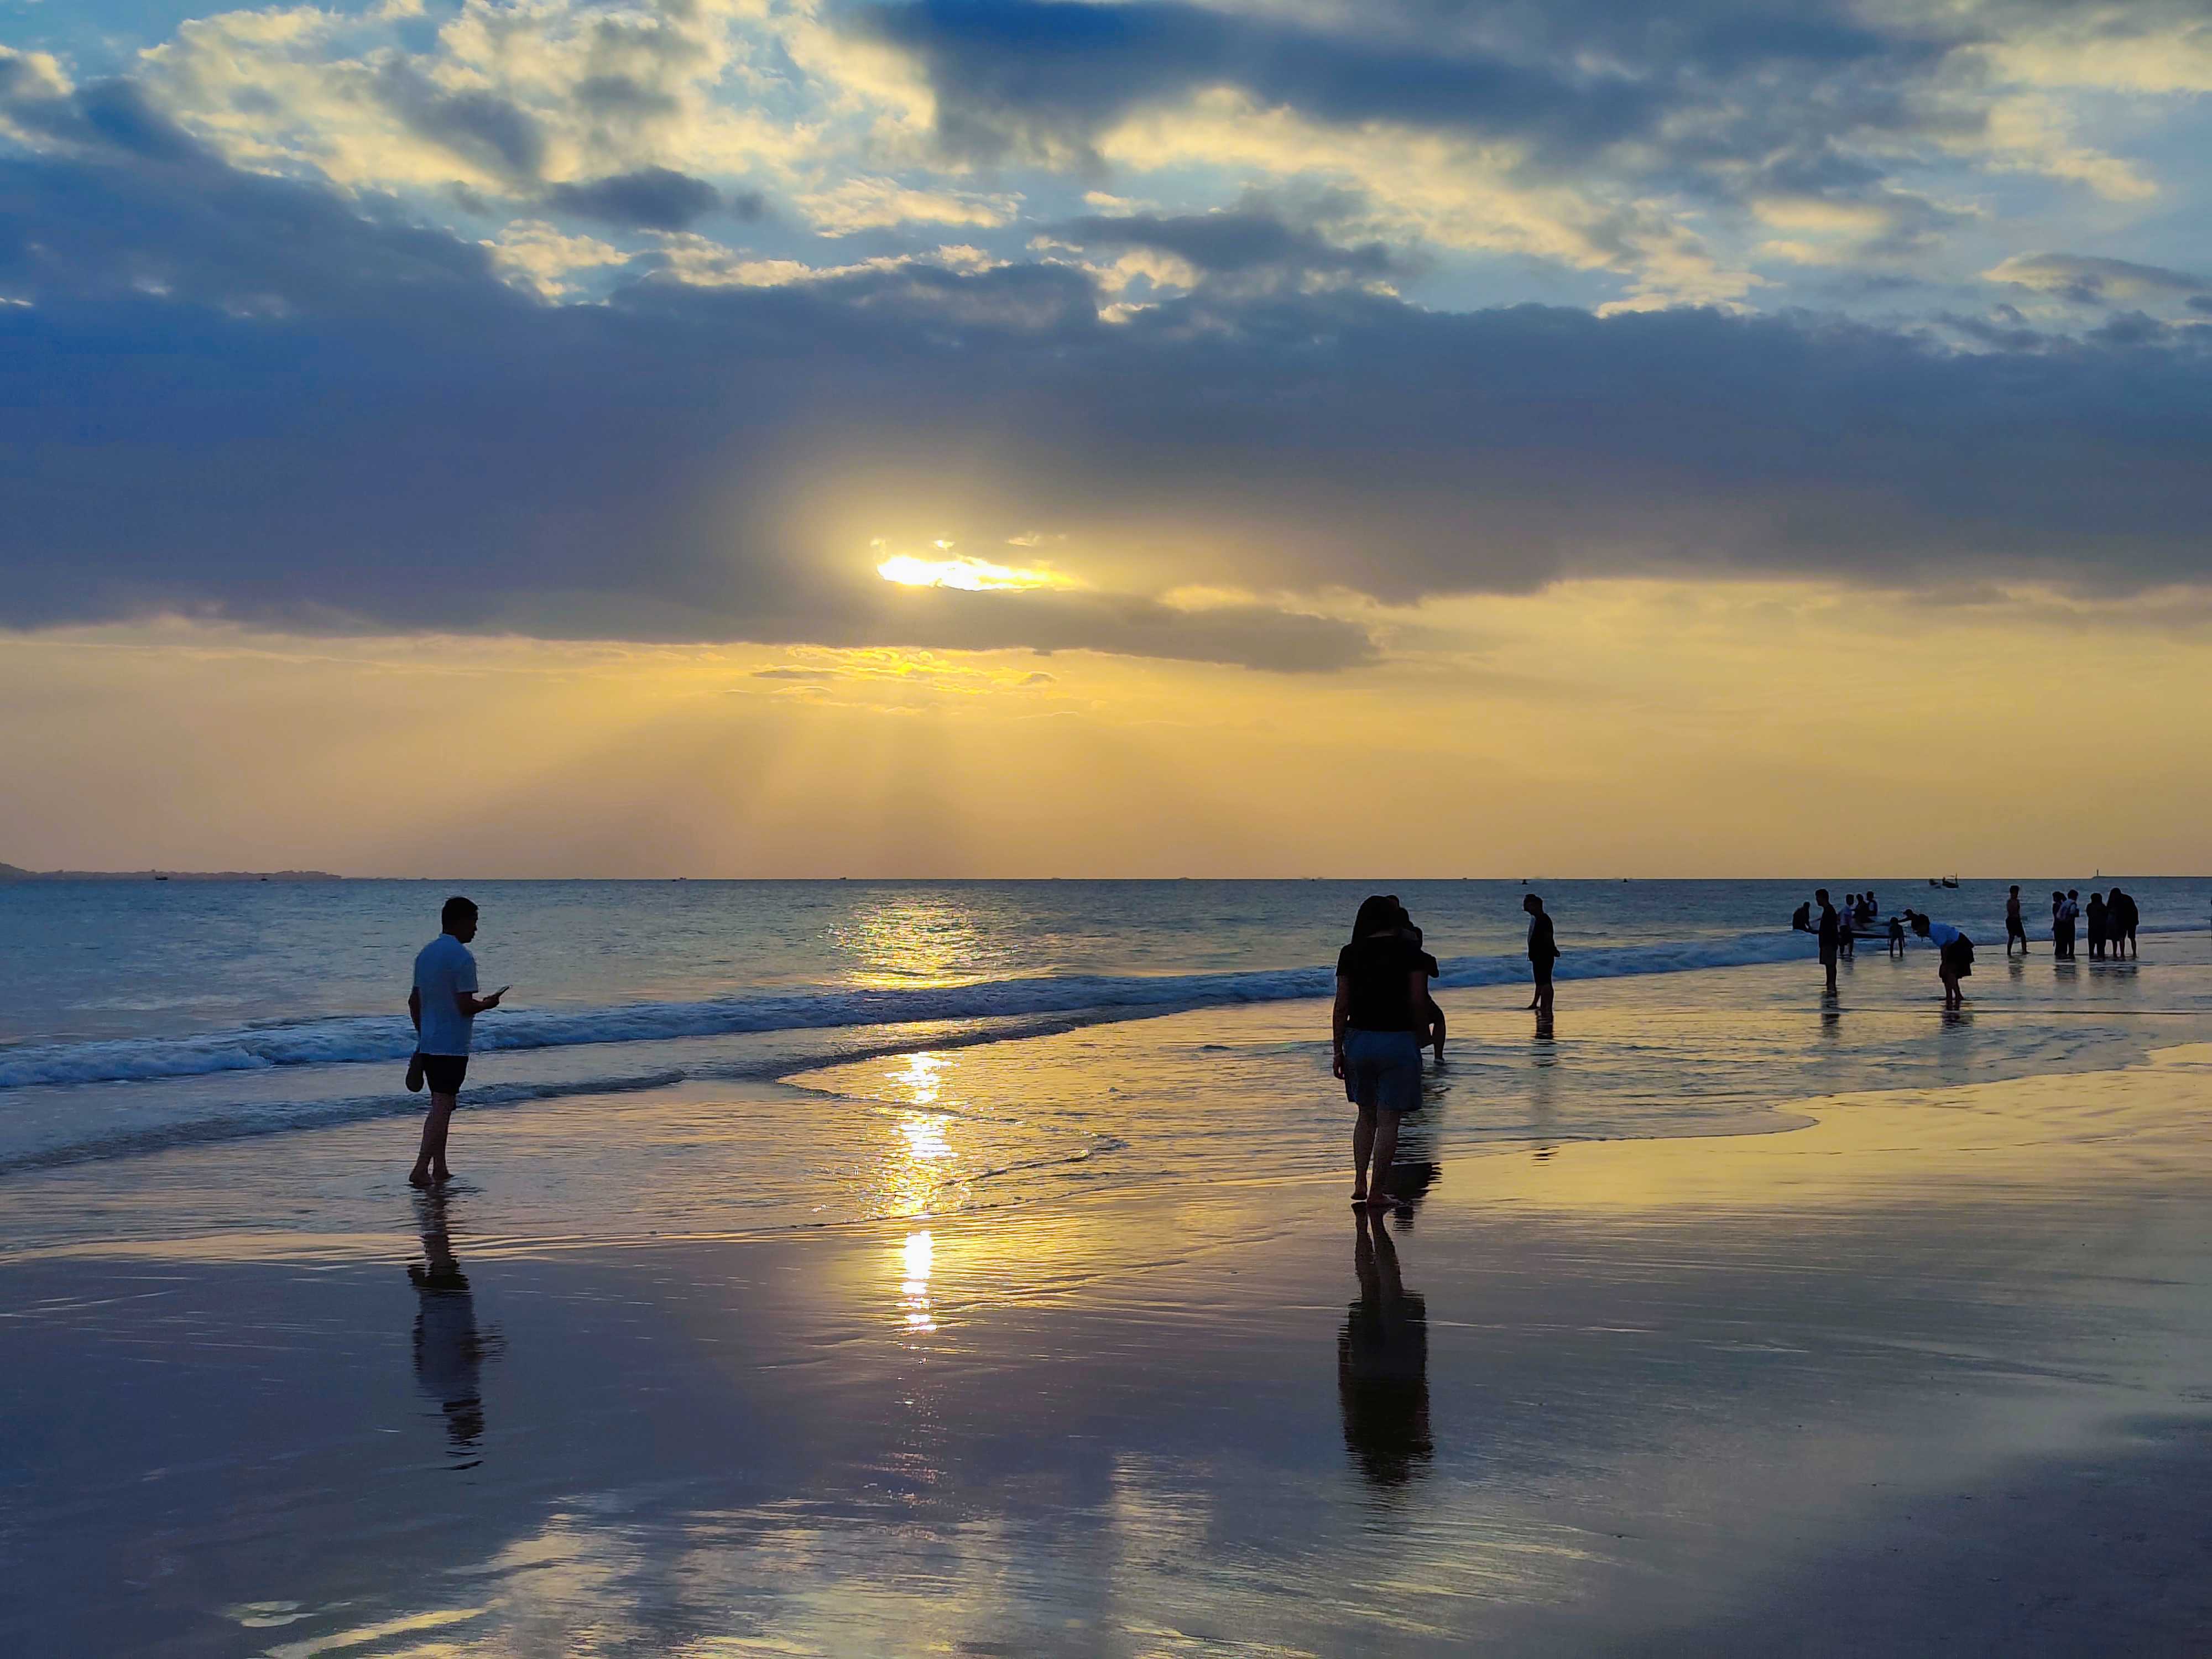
[(365, 1039), (245, 1121)]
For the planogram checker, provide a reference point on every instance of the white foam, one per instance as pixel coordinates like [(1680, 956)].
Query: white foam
[(339, 1042)]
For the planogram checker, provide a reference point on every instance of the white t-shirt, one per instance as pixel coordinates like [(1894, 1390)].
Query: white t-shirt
[(442, 967)]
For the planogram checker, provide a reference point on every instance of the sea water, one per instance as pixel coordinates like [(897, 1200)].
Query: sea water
[(778, 1052)]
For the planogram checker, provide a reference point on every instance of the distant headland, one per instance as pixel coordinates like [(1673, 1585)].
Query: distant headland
[(16, 872)]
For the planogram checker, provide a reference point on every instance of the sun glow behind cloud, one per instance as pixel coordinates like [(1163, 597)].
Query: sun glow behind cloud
[(970, 575)]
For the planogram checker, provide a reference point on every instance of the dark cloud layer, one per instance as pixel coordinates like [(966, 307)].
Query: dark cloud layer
[(649, 198), (1012, 75), (1243, 243), (241, 395)]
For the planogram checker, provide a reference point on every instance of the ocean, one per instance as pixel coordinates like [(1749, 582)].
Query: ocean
[(773, 1017)]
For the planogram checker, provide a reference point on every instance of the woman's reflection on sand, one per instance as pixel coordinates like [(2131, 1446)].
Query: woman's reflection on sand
[(1382, 1365), (449, 1352)]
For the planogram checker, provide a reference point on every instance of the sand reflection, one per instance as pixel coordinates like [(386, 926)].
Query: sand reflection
[(1383, 1366), (449, 1350)]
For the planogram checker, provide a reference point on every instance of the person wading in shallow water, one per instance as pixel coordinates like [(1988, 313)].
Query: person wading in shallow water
[(444, 1006), (1828, 925), (1543, 951), (1381, 1011), (1954, 954)]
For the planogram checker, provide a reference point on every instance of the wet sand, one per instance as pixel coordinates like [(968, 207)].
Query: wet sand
[(1933, 1376)]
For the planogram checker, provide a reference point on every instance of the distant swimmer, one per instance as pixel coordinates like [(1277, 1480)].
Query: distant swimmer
[(1955, 956), (1543, 951), (444, 1006), (2015, 928), (1829, 924), (1382, 993)]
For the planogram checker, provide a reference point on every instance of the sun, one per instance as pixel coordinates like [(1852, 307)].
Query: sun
[(970, 575)]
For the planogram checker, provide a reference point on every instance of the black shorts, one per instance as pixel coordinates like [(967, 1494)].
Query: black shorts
[(2014, 931), (1542, 969), (444, 1072), (1827, 956), (1958, 959)]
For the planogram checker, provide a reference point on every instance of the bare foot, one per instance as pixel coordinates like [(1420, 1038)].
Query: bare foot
[(417, 1178), (1377, 1201)]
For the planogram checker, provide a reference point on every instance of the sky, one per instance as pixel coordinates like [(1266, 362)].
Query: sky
[(1208, 437)]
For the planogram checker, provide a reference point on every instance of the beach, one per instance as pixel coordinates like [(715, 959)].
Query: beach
[(1919, 1361)]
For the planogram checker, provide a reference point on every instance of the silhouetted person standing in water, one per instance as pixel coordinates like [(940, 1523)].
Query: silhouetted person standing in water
[(1543, 951), (2015, 928), (1381, 997), (2069, 912), (444, 1006), (1432, 1017), (1829, 924), (1801, 918), (2120, 920), (2097, 917)]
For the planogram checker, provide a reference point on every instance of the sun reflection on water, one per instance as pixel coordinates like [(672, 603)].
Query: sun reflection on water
[(921, 1078), (917, 1257), (916, 940)]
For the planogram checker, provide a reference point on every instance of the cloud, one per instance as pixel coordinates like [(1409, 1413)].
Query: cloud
[(647, 199), (611, 102), (1248, 246), (1015, 78), (242, 395), (544, 258), (2089, 281), (875, 203)]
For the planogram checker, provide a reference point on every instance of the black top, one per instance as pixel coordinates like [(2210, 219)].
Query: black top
[(1828, 924), (1378, 969), (1541, 946)]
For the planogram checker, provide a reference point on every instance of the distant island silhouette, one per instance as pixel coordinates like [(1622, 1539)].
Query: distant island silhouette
[(16, 872)]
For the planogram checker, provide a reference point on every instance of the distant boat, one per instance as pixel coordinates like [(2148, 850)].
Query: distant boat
[(158, 876), (1947, 881)]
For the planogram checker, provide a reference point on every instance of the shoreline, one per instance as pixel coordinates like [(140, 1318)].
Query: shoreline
[(1612, 1429), (1730, 1393)]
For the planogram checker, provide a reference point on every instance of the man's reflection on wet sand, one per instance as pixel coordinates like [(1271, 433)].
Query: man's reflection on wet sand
[(449, 1352), (1382, 1365)]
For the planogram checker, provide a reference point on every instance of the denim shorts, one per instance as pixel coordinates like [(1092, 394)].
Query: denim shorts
[(1382, 1070)]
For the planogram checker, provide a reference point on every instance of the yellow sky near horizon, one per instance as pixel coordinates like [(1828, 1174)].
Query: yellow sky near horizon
[(1597, 728)]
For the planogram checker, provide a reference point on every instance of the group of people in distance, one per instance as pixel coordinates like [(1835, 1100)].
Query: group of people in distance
[(2111, 919), (1384, 1017)]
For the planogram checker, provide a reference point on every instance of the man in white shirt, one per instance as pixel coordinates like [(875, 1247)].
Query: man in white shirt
[(444, 1006)]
